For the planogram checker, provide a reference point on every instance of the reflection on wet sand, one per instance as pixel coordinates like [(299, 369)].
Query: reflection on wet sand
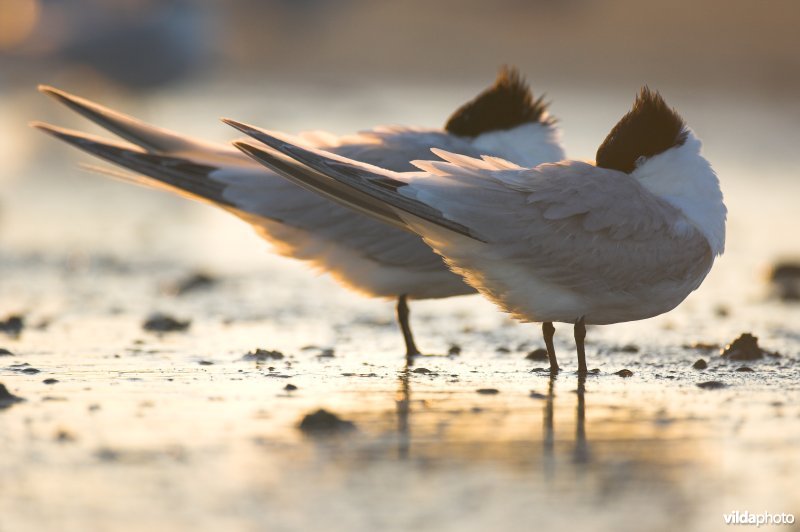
[(447, 448)]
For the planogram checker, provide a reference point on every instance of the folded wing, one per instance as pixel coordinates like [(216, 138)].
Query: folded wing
[(571, 224)]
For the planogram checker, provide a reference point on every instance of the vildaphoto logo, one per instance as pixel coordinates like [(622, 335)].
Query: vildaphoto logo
[(763, 518)]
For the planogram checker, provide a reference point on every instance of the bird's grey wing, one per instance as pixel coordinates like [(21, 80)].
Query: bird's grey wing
[(573, 224), (394, 147), (288, 215), (367, 188)]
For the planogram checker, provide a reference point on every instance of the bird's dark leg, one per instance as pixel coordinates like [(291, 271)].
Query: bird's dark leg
[(402, 317), (548, 331), (580, 334)]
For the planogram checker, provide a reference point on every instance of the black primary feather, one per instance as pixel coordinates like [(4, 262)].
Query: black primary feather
[(506, 104), (649, 128)]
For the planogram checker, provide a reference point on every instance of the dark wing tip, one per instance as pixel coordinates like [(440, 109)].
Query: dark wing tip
[(47, 89), (249, 149), (508, 103), (250, 131), (233, 123), (649, 128), (55, 131), (62, 96)]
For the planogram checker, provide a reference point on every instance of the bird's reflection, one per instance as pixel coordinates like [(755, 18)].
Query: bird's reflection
[(403, 402), (549, 434), (580, 453)]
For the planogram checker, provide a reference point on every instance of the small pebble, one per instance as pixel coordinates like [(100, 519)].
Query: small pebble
[(262, 355), (12, 325), (206, 363), (711, 385), (50, 381), (5, 353), (624, 373), (422, 371), (454, 350), (194, 282), (629, 348), (702, 346), (158, 322), (785, 279), (322, 423), (488, 391), (700, 364), (536, 395), (743, 348), (539, 354), (745, 369), (7, 398), (64, 436), (290, 387)]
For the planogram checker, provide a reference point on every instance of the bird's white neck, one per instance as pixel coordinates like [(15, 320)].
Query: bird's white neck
[(683, 178), (527, 145)]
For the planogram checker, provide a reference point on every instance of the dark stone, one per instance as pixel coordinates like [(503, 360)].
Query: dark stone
[(745, 369), (630, 348), (422, 371), (5, 353), (722, 311), (12, 325), (192, 283), (454, 350), (290, 387), (743, 348), (262, 355), (64, 436), (624, 373), (785, 279), (7, 398), (711, 385), (536, 395), (206, 363), (488, 391), (538, 355), (159, 322), (702, 346), (30, 371), (700, 364), (50, 381), (322, 423)]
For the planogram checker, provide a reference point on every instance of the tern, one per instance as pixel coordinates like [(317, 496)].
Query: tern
[(365, 255), (624, 238)]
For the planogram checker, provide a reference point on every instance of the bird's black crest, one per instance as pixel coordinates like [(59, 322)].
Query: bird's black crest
[(506, 104), (650, 127)]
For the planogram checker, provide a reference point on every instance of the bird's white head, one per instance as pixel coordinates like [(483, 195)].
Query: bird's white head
[(506, 121), (653, 144)]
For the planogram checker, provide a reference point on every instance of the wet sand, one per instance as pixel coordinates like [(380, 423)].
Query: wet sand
[(127, 429)]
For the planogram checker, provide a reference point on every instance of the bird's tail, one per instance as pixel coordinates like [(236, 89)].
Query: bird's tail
[(146, 136), (179, 175)]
